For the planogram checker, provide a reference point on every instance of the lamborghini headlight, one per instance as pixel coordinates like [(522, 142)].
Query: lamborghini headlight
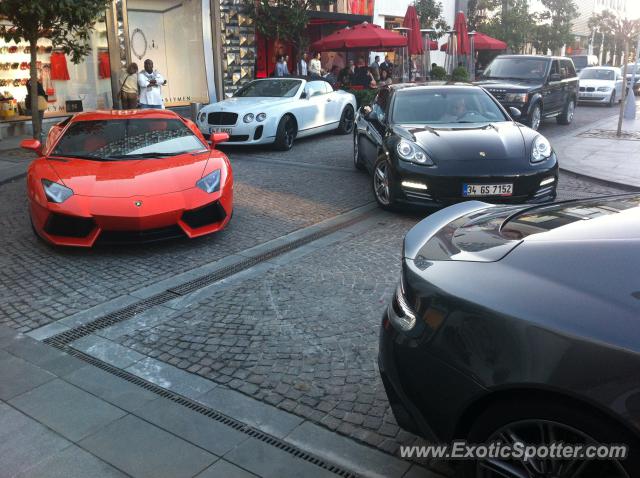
[(56, 192), (210, 183)]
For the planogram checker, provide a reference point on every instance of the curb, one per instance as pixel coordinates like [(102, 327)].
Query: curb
[(603, 182)]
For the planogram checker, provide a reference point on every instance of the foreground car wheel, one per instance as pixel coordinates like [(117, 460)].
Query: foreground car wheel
[(537, 423), (382, 189), (357, 160), (347, 120), (535, 117), (567, 114), (286, 133)]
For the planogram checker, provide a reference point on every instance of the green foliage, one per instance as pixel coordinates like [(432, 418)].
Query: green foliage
[(460, 74), (67, 23), (284, 19), (430, 15), (438, 73), (554, 31), (510, 23), (611, 32), (364, 97)]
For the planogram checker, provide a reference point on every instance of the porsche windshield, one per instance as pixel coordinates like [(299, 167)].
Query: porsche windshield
[(269, 89), (517, 69), (121, 139), (445, 106)]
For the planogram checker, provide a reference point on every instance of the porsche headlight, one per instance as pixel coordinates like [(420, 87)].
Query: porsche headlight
[(248, 118), (260, 117), (413, 153), (56, 192), (541, 149), (210, 183), (202, 116)]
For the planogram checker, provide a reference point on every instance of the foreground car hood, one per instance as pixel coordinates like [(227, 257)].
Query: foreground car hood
[(241, 104), (141, 177), (498, 141)]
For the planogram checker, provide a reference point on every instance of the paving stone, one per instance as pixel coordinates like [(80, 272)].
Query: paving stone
[(66, 409), (18, 376), (107, 351), (145, 451), (192, 426), (73, 462), (223, 468)]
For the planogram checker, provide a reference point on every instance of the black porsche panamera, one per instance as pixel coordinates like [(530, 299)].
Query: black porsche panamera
[(520, 324), (435, 144)]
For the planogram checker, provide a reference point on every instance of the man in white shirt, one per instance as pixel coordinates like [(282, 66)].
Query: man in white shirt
[(302, 65), (150, 82)]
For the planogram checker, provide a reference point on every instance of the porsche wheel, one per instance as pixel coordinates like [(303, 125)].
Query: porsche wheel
[(382, 187), (357, 159), (347, 120), (286, 133)]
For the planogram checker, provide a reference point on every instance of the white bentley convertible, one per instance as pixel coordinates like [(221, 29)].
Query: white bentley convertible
[(279, 110)]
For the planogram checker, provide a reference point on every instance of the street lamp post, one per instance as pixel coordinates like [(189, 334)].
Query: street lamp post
[(426, 34), (452, 46), (472, 56), (404, 31)]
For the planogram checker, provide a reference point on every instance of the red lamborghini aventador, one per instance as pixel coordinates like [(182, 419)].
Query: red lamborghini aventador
[(127, 176)]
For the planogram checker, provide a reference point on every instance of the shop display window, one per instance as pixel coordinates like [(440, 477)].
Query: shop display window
[(169, 32)]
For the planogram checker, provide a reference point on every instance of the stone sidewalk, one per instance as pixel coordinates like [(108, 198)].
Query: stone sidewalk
[(597, 152), (61, 416)]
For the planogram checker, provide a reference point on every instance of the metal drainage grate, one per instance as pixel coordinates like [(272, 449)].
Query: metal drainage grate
[(132, 310), (206, 411)]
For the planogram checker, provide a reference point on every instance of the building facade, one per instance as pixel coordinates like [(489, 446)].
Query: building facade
[(588, 8)]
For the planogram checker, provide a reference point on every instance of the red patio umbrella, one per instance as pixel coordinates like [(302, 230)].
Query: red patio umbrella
[(362, 36), (414, 37), (482, 42), (462, 35)]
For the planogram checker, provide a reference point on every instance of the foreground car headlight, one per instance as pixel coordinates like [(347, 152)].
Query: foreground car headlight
[(248, 118), (56, 192), (402, 317), (604, 88), (202, 116), (541, 149), (210, 183), (516, 97), (413, 153), (260, 117)]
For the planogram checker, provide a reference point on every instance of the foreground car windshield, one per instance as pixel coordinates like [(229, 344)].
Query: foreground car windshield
[(127, 138), (442, 106), (269, 88), (597, 75), (517, 68)]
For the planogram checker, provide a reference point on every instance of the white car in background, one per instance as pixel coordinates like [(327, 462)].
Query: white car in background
[(279, 110), (600, 84)]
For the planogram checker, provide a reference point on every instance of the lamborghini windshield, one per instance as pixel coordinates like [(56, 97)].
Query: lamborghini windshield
[(122, 139), (269, 88)]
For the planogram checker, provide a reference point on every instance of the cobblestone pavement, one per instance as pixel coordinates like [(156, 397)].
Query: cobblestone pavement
[(302, 337)]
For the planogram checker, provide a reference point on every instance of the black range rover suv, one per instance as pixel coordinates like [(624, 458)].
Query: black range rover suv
[(539, 86)]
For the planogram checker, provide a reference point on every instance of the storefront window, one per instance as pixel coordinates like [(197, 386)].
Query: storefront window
[(169, 32), (69, 87)]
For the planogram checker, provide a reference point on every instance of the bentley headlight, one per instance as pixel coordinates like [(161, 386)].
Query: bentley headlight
[(541, 149), (260, 117), (515, 98), (210, 183), (202, 116), (248, 118), (412, 152), (56, 192), (604, 88)]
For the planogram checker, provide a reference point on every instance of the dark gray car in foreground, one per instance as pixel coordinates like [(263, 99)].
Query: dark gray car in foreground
[(516, 323)]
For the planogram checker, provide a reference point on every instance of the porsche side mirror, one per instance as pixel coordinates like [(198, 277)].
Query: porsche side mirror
[(31, 145), (304, 95), (515, 113), (217, 138)]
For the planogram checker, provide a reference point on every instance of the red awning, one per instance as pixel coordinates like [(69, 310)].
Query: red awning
[(363, 36), (482, 42), (414, 37)]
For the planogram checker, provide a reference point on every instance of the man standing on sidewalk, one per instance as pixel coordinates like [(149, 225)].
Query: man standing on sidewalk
[(150, 82)]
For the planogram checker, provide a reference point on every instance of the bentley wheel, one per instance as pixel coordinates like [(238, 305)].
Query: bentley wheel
[(347, 120), (382, 189), (567, 114), (535, 117), (286, 133), (541, 425), (357, 160)]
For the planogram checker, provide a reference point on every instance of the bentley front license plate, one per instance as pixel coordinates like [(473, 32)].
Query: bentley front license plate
[(472, 190), (220, 130)]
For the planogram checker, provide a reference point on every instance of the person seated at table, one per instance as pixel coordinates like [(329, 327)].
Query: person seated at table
[(384, 78), (346, 74), (332, 76), (361, 74)]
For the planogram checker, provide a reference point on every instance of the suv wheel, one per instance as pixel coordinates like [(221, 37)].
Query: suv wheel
[(567, 114), (535, 118)]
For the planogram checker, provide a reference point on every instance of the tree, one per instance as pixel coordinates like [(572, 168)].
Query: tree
[(612, 32), (510, 21), (554, 31), (284, 19), (430, 15), (67, 23)]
